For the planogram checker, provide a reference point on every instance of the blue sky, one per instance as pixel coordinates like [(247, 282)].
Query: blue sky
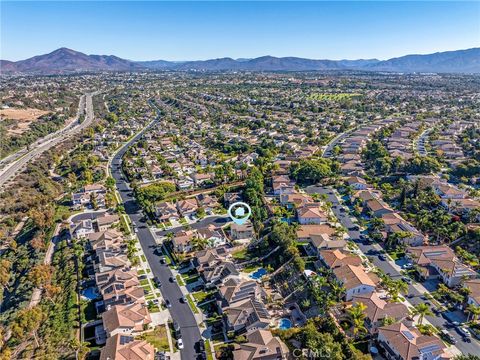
[(201, 30)]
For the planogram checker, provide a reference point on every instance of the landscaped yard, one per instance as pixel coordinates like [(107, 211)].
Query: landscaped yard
[(240, 255), (208, 350), (250, 268), (180, 280), (201, 296), (158, 338), (192, 304)]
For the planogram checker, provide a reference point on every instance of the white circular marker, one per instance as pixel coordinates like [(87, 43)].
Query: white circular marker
[(239, 212)]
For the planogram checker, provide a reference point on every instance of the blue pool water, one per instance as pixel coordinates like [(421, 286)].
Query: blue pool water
[(258, 273), (284, 324), (90, 293)]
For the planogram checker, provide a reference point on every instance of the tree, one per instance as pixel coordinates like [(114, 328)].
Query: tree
[(322, 343), (474, 311), (27, 322), (421, 310), (356, 314), (40, 275), (311, 171)]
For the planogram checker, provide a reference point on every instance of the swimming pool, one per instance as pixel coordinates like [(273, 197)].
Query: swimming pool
[(90, 293), (284, 324), (258, 273)]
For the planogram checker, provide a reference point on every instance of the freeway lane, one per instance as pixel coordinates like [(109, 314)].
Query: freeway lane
[(472, 347), (181, 313), (21, 160)]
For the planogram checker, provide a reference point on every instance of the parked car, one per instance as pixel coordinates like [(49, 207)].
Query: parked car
[(447, 336), (382, 257), (172, 279), (168, 303), (176, 327), (163, 260), (183, 299), (407, 280), (157, 281), (180, 344), (463, 331)]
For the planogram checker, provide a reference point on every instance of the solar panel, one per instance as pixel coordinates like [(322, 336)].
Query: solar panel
[(429, 349), (408, 335)]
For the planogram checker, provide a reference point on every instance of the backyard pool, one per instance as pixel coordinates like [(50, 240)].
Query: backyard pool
[(90, 293), (284, 324), (258, 273)]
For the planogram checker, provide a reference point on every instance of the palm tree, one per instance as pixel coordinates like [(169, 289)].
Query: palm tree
[(421, 310), (356, 315), (474, 311)]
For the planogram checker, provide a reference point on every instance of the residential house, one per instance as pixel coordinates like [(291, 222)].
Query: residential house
[(106, 221), (261, 345), (355, 280), (356, 183), (336, 258), (402, 342), (182, 241), (377, 207), (166, 211), (81, 228), (440, 262), (126, 319), (474, 291), (311, 214), (125, 347), (395, 224), (246, 315), (378, 309), (187, 207), (234, 289), (243, 231)]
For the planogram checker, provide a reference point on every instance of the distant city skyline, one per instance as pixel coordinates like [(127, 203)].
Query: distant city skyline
[(182, 31)]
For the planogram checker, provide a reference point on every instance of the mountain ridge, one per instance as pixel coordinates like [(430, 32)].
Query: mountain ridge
[(64, 60)]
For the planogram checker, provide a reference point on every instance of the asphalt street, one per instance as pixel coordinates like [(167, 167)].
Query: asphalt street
[(180, 312), (415, 298)]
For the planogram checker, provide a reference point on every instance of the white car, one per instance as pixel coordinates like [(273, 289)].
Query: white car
[(180, 344)]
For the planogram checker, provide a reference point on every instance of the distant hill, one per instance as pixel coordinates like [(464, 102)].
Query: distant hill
[(66, 60), (459, 61)]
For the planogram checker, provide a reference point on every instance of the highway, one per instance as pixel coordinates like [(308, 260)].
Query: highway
[(17, 162), (180, 312)]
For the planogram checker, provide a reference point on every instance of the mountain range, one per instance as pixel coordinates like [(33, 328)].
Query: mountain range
[(65, 60)]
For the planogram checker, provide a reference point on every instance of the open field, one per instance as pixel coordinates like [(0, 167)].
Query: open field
[(22, 117)]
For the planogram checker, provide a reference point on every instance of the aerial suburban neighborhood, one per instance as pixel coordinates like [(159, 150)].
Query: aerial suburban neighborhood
[(248, 209)]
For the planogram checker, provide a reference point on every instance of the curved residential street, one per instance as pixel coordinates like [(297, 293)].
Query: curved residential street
[(180, 312)]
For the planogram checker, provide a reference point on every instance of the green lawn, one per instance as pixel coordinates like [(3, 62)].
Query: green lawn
[(240, 254), (180, 280), (192, 304), (200, 296), (144, 259), (144, 282), (157, 338), (208, 350), (141, 272), (250, 268)]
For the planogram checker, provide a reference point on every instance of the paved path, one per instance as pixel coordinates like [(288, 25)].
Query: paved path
[(180, 312)]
